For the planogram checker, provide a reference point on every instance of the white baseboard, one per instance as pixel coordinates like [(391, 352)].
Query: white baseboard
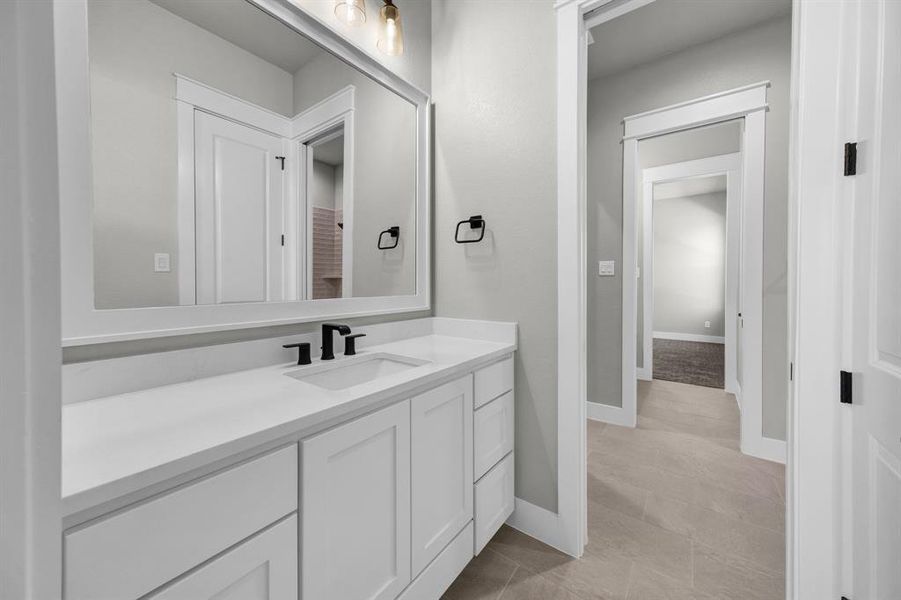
[(765, 448), (643, 374), (690, 337), (537, 522), (610, 414)]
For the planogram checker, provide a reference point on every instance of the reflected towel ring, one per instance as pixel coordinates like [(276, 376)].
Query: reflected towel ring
[(475, 222), (394, 232)]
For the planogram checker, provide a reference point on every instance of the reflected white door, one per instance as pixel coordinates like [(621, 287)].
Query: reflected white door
[(239, 212), (874, 513)]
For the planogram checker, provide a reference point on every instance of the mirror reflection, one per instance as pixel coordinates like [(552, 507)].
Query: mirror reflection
[(234, 160)]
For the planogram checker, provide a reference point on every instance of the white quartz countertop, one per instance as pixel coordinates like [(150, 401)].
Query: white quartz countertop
[(118, 445)]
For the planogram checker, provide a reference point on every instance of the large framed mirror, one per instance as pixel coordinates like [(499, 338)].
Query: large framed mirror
[(232, 164)]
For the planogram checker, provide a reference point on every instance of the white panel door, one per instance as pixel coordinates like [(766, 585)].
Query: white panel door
[(874, 313), (262, 568), (355, 507), (239, 212), (441, 425)]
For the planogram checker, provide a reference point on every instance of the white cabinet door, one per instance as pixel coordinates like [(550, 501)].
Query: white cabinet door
[(355, 507), (262, 568), (239, 212), (441, 424)]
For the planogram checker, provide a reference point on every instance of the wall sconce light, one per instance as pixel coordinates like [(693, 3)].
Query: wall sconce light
[(391, 35), (351, 12)]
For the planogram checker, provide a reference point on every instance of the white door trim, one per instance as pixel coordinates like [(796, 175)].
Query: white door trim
[(724, 164), (330, 113), (30, 354), (749, 103)]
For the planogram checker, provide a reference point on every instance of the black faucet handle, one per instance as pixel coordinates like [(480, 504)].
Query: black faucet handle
[(339, 327), (350, 346), (303, 352)]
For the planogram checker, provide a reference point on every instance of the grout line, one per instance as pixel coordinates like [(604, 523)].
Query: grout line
[(631, 579), (507, 583)]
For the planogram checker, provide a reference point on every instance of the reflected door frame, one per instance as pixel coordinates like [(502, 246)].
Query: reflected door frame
[(332, 113)]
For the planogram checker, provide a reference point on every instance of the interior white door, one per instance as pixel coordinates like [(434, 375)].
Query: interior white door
[(874, 511), (441, 422), (355, 507), (261, 568), (239, 212)]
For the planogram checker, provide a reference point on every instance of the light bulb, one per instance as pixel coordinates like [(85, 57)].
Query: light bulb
[(391, 34), (351, 12)]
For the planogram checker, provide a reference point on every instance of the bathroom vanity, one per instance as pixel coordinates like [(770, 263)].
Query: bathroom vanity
[(378, 475), (236, 165)]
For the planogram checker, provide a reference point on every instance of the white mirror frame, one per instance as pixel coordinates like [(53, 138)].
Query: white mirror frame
[(82, 324)]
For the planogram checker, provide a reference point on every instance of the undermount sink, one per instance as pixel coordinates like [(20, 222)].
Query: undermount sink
[(348, 372)]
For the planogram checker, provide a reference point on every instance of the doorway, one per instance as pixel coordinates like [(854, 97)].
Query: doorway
[(690, 315)]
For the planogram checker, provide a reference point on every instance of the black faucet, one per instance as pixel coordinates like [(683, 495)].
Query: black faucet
[(328, 344)]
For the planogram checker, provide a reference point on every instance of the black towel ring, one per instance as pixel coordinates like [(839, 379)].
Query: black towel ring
[(475, 222), (394, 232)]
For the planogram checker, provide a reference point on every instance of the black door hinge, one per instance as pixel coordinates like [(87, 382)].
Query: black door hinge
[(845, 387), (850, 158), (281, 158), (283, 239), (791, 371)]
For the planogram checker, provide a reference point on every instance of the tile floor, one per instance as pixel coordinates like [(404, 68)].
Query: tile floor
[(675, 512)]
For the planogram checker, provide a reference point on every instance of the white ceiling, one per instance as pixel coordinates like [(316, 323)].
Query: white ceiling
[(667, 26), (690, 187), (248, 27)]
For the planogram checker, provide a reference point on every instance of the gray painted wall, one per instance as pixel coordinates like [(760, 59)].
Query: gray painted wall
[(760, 53), (690, 264), (493, 76)]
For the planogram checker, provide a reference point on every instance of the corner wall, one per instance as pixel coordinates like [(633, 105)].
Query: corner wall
[(493, 74)]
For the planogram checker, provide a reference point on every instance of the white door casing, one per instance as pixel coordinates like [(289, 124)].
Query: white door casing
[(730, 166), (441, 424), (355, 508), (239, 212), (872, 314)]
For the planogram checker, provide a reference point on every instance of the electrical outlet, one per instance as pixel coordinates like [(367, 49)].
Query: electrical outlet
[(707, 324), (161, 263)]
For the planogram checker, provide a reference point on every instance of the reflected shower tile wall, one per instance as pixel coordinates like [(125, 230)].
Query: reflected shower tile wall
[(326, 243)]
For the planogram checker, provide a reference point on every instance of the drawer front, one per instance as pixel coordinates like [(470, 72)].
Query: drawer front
[(492, 381), (135, 551), (261, 568), (493, 501), (493, 433)]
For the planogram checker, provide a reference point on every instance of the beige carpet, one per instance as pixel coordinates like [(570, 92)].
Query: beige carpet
[(695, 363)]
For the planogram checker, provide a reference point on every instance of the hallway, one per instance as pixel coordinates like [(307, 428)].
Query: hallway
[(675, 512)]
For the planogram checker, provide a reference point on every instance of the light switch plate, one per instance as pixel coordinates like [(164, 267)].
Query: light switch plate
[(606, 268), (161, 263)]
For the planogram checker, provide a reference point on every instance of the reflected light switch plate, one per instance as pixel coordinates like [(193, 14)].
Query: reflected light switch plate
[(606, 268), (161, 263)]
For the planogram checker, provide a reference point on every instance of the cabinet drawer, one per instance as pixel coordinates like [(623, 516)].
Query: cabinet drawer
[(261, 568), (493, 433), (139, 549), (492, 381), (493, 501)]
